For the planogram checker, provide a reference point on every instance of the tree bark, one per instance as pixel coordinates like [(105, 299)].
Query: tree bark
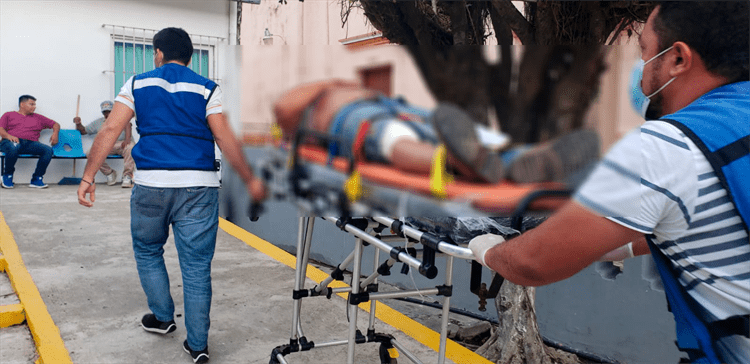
[(523, 29), (516, 340), (452, 74)]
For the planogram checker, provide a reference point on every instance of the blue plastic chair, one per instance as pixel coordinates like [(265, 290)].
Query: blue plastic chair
[(69, 145)]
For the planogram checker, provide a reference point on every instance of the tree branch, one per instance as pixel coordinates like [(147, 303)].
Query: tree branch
[(516, 20), (459, 24)]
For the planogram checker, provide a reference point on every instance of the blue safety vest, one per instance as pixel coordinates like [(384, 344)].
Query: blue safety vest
[(170, 107), (719, 124)]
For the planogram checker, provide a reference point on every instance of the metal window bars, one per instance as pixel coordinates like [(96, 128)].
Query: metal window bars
[(136, 36)]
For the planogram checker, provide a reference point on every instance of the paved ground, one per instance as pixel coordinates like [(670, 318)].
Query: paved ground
[(82, 263)]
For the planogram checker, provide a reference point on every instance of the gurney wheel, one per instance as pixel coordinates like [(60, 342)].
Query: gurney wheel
[(385, 356)]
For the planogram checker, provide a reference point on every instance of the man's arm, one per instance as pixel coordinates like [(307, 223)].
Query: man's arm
[(4, 134), (55, 133), (569, 241), (231, 149), (630, 250), (128, 135), (79, 126), (118, 119)]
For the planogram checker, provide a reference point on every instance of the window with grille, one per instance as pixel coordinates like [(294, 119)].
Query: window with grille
[(134, 53)]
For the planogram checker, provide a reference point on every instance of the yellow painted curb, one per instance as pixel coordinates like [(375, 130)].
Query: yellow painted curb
[(419, 332), (46, 335), (11, 315)]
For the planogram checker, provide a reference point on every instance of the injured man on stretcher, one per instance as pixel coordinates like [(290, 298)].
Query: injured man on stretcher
[(364, 122)]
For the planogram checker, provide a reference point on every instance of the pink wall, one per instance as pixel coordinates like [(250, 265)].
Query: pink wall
[(306, 47)]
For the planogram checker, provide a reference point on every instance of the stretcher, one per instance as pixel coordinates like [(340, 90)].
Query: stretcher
[(358, 197)]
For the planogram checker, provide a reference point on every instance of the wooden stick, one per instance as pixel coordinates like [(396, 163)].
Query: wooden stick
[(78, 104)]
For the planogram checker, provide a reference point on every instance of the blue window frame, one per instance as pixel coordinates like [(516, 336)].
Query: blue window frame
[(135, 58)]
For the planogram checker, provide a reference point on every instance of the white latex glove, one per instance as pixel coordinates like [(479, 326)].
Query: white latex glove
[(619, 254), (482, 243)]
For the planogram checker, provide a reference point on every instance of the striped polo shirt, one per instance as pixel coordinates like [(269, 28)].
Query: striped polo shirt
[(656, 181)]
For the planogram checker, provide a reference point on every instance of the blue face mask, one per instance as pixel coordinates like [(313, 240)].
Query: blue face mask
[(638, 99)]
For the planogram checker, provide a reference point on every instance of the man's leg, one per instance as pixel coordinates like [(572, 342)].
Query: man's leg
[(455, 128), (105, 168), (129, 164), (567, 158), (45, 156), (196, 223), (150, 209), (11, 155)]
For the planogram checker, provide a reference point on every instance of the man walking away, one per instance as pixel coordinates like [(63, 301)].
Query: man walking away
[(179, 118)]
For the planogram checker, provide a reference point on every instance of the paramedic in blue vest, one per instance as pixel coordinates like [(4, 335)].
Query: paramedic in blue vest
[(179, 117), (676, 187)]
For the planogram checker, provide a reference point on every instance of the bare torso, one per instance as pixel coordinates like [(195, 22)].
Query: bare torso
[(331, 102)]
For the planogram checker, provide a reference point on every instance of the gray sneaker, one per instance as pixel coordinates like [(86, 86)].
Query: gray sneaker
[(558, 159), (456, 129), (127, 182), (112, 178)]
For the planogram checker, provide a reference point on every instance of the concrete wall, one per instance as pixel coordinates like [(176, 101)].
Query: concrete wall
[(57, 50)]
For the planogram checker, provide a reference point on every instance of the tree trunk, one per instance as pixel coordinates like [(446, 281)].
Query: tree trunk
[(452, 74), (516, 339), (558, 79)]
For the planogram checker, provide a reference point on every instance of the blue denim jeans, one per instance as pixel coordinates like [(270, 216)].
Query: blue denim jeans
[(193, 213), (13, 150), (347, 121)]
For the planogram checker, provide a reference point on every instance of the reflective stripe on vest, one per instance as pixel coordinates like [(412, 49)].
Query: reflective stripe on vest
[(170, 105)]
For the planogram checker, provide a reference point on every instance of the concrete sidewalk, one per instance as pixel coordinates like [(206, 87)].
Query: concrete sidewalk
[(82, 262)]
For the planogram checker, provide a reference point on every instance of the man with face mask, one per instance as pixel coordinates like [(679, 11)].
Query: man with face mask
[(676, 186)]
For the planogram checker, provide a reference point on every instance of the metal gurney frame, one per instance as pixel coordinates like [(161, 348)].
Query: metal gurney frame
[(317, 190), (364, 290)]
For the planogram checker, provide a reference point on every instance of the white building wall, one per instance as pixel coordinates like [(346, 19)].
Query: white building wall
[(57, 50)]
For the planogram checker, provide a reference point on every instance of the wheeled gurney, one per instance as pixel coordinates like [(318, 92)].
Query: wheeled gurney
[(362, 195)]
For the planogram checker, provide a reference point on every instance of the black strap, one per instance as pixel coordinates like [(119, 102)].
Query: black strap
[(178, 134), (733, 151), (735, 325), (209, 99)]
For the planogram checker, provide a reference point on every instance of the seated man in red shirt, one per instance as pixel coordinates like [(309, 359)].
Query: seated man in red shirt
[(20, 132)]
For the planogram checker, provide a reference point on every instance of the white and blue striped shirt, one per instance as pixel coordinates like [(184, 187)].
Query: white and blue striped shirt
[(656, 181)]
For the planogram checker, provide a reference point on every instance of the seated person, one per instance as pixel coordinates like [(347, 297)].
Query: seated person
[(20, 132), (407, 137), (122, 147)]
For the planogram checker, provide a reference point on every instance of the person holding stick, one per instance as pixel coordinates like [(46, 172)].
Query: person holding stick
[(123, 146)]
